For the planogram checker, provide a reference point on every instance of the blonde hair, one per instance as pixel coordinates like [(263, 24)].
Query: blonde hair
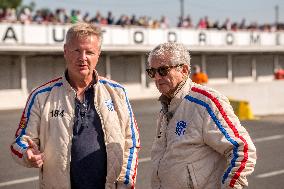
[(176, 53), (83, 29)]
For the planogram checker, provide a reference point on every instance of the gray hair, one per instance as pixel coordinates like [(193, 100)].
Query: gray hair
[(83, 29), (176, 53)]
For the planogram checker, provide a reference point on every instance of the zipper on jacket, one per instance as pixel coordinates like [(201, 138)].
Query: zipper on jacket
[(98, 111), (165, 126), (100, 116)]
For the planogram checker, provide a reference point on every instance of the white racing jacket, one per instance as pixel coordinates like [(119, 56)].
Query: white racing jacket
[(48, 120), (202, 145)]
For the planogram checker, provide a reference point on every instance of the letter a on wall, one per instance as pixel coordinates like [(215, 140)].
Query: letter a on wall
[(10, 34)]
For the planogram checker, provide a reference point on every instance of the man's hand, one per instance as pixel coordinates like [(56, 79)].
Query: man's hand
[(34, 157)]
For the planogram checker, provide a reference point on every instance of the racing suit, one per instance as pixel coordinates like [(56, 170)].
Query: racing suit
[(48, 120), (200, 143)]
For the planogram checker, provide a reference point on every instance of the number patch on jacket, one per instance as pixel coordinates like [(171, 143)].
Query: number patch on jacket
[(57, 113)]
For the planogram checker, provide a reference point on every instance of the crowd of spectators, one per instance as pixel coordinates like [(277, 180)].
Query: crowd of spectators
[(61, 16), (206, 23)]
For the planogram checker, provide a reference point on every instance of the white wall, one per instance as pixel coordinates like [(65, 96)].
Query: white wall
[(264, 97)]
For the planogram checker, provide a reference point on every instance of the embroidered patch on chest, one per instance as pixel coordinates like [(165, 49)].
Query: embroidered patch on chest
[(180, 128), (109, 104)]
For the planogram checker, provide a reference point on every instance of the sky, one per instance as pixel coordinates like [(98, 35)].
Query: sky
[(260, 11)]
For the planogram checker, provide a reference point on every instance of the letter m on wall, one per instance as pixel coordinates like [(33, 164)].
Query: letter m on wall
[(255, 39)]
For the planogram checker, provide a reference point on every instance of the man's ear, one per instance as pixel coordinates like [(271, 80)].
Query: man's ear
[(185, 69)]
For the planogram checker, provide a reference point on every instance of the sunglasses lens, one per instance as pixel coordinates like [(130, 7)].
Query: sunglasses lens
[(163, 71), (151, 72)]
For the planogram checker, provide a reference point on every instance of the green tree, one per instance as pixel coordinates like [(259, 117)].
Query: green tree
[(10, 3)]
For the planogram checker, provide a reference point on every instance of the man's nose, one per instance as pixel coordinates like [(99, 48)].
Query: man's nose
[(157, 76), (83, 56)]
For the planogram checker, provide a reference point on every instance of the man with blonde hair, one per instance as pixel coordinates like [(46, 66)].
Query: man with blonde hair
[(79, 129), (200, 142)]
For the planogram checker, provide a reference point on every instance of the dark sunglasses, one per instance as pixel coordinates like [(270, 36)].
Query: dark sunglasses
[(163, 70)]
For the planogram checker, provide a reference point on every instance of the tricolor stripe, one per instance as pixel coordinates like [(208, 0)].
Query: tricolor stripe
[(23, 114), (27, 111), (135, 168), (136, 163), (132, 123), (235, 131), (20, 155)]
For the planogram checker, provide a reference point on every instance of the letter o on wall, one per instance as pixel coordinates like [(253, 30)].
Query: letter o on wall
[(138, 37), (229, 38), (172, 37)]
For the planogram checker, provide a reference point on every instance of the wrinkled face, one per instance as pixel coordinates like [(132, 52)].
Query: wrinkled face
[(168, 84), (81, 55)]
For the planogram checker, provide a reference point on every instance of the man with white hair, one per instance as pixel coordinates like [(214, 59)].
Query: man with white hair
[(200, 142)]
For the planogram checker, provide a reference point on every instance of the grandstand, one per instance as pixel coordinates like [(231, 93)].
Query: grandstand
[(241, 63)]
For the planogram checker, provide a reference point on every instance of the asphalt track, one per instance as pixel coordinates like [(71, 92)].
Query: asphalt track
[(267, 133)]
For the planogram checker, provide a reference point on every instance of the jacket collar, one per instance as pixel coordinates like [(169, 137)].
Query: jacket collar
[(66, 84)]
